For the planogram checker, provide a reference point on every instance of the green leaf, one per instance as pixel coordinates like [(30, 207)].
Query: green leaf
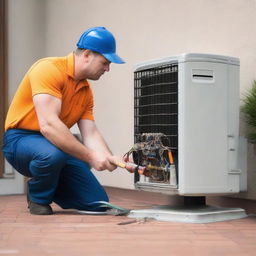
[(249, 110)]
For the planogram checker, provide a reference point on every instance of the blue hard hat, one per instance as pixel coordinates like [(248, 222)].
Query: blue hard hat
[(100, 40)]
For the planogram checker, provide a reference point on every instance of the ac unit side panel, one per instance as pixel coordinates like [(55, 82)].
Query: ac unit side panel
[(233, 126), (203, 127)]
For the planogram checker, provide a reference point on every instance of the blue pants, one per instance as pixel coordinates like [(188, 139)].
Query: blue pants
[(55, 176)]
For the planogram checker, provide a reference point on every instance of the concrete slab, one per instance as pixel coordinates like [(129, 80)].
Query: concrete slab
[(196, 214)]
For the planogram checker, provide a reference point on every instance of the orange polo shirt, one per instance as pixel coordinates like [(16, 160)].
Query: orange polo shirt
[(54, 76)]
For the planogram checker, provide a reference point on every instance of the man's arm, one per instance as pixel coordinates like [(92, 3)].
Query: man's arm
[(93, 139), (48, 109)]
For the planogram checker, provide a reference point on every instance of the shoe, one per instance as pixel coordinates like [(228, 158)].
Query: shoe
[(39, 209)]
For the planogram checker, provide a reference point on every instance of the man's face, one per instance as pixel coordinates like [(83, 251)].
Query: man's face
[(96, 66)]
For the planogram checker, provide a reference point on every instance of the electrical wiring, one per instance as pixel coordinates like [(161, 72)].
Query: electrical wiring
[(152, 151)]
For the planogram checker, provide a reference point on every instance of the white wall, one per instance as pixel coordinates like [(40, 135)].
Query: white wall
[(26, 38), (26, 44), (144, 29)]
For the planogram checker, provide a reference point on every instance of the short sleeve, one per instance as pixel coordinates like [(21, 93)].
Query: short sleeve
[(45, 77), (88, 113)]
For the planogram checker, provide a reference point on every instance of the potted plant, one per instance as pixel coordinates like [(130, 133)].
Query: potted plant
[(249, 110)]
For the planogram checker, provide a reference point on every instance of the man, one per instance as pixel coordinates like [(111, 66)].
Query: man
[(53, 96)]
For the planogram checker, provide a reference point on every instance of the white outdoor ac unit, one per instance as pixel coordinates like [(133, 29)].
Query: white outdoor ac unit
[(194, 100)]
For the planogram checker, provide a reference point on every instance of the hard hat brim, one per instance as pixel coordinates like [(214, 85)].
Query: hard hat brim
[(112, 57)]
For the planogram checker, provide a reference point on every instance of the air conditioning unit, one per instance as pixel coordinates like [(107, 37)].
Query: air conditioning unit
[(193, 99)]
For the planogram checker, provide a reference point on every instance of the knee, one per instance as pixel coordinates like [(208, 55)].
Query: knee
[(51, 158)]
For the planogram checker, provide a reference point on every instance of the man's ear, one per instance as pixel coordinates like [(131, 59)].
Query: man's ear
[(87, 54)]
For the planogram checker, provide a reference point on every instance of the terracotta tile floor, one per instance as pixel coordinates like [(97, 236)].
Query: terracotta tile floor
[(67, 233)]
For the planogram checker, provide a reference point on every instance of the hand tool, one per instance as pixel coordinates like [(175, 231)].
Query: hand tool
[(140, 169), (135, 166)]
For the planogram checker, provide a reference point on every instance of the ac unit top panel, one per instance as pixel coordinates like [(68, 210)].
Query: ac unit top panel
[(188, 57)]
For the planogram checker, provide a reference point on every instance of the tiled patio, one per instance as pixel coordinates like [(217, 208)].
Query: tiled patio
[(72, 234)]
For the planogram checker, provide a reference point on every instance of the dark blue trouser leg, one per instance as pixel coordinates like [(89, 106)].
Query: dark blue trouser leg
[(78, 188), (55, 176)]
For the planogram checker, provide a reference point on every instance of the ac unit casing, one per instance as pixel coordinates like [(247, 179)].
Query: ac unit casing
[(207, 124)]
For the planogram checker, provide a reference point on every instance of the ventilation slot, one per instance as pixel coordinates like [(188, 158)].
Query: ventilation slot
[(156, 102)]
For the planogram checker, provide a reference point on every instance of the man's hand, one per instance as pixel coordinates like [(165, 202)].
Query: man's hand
[(100, 162), (121, 162)]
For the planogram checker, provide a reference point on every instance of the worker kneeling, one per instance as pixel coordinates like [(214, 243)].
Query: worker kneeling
[(53, 96)]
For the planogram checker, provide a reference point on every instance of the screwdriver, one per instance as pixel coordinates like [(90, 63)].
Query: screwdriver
[(141, 169)]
